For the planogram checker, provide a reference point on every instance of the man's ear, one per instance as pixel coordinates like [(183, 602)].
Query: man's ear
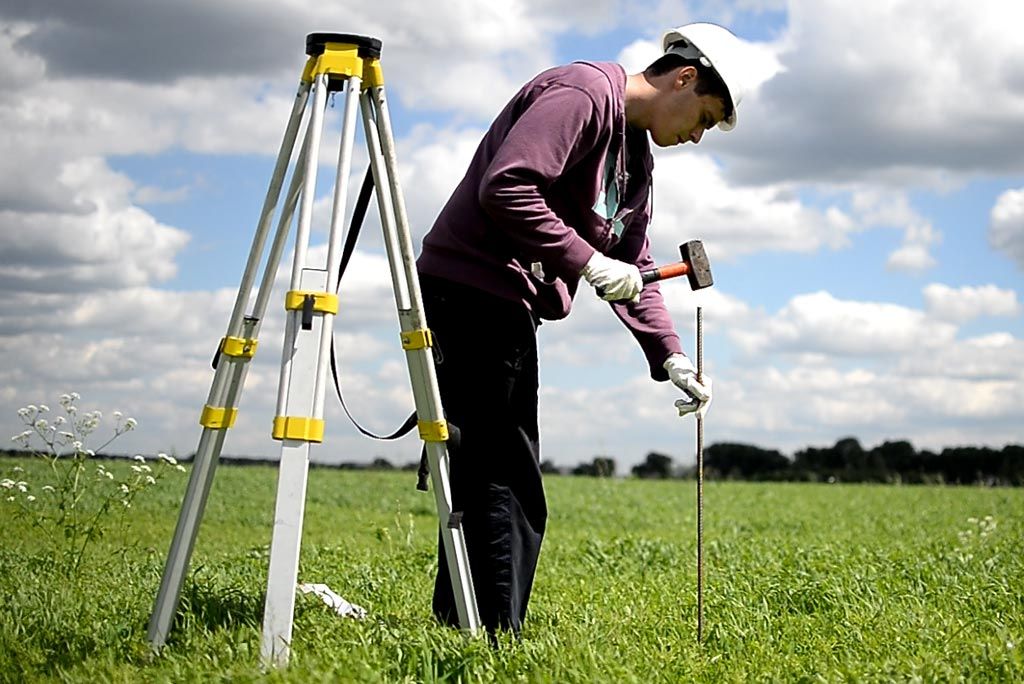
[(686, 75)]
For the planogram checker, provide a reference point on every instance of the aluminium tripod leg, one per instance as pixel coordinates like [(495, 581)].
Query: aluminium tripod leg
[(304, 366), (417, 341), (236, 349)]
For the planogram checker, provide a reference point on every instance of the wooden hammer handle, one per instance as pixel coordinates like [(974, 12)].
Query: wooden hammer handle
[(680, 268)]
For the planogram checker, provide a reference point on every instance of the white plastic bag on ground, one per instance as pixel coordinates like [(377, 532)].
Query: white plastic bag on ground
[(335, 602)]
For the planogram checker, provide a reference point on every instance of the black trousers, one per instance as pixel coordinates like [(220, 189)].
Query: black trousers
[(486, 357)]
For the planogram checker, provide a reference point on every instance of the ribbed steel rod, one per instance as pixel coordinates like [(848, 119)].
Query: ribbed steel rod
[(700, 483)]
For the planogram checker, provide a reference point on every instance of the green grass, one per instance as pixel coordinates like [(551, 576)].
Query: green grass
[(802, 583)]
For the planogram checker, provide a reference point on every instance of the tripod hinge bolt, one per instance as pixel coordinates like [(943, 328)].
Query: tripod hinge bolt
[(417, 339)]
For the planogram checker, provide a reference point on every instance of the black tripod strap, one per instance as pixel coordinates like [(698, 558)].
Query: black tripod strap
[(358, 214), (405, 428)]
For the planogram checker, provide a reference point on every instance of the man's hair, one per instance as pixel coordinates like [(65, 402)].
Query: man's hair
[(708, 80)]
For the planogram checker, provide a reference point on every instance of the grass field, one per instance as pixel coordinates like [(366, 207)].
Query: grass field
[(802, 583)]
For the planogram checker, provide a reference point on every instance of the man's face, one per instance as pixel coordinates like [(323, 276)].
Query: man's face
[(682, 115)]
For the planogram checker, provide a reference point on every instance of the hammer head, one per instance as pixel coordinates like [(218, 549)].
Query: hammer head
[(699, 274)]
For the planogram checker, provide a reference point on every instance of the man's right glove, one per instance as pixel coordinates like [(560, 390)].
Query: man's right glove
[(684, 376), (614, 280)]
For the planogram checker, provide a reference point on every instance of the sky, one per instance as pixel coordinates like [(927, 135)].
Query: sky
[(864, 221)]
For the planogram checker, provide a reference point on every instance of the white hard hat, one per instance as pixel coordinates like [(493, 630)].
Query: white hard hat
[(718, 48)]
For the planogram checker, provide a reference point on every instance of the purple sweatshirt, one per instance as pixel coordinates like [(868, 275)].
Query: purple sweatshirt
[(523, 222)]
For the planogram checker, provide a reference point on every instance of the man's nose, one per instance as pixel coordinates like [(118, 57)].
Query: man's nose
[(696, 135)]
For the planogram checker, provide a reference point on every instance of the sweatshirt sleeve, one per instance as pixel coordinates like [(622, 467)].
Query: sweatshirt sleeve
[(555, 130), (648, 320)]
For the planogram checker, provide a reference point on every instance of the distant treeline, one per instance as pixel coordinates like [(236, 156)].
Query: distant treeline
[(846, 461)]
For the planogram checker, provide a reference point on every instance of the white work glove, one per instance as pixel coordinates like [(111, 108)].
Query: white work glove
[(684, 376), (614, 280)]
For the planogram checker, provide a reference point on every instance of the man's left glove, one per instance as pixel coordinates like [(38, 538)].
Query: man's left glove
[(684, 376)]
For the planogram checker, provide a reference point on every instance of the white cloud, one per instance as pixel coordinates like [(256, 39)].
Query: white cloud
[(104, 242), (889, 208), (820, 323), (963, 304), (997, 357), (151, 194), (692, 200), (871, 88), (1006, 230), (912, 258), (636, 56)]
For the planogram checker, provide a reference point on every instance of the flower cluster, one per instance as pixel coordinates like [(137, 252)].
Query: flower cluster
[(16, 486), (72, 508), (970, 539), (68, 433)]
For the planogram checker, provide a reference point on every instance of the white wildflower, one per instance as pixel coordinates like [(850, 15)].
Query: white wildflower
[(75, 396), (89, 452), (130, 424), (139, 457), (59, 420), (30, 498), (65, 400), (137, 469), (110, 475), (43, 408), (117, 415), (150, 480), (41, 424), (48, 488), (169, 460), (126, 503), (10, 498), (124, 488), (21, 487), (180, 468), (6, 483), (76, 445), (17, 469)]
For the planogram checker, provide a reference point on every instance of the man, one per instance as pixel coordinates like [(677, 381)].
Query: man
[(558, 189)]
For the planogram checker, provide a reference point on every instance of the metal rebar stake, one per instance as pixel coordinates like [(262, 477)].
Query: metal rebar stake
[(700, 483)]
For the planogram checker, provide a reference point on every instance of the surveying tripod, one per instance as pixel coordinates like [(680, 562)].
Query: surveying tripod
[(349, 64)]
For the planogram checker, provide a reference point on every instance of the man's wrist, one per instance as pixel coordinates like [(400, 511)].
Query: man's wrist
[(679, 362)]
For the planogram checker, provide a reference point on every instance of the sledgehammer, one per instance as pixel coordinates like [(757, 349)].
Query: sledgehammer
[(694, 265)]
